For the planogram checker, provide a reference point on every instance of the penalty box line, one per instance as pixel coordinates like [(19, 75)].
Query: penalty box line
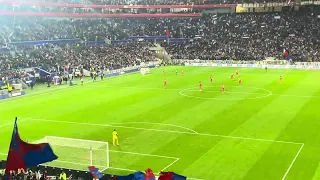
[(162, 130), (180, 132)]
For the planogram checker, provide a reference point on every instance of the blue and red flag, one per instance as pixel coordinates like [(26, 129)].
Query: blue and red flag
[(95, 172), (286, 54), (137, 176), (168, 34), (23, 155), (171, 176), (149, 175)]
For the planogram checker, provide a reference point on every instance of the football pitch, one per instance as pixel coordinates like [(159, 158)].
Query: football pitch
[(260, 130)]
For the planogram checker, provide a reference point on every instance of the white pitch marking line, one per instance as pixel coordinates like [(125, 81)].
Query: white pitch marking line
[(4, 125), (229, 92), (169, 131), (193, 178), (53, 90), (142, 88), (11, 123), (169, 165), (295, 158), (158, 124), (34, 95), (75, 163), (109, 125), (141, 154), (297, 96), (121, 169), (132, 87)]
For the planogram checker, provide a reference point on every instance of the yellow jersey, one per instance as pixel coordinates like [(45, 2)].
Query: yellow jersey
[(114, 134)]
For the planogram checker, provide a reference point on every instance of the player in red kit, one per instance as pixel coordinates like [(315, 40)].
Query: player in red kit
[(240, 82), (232, 75), (280, 79), (200, 86), (182, 73), (211, 79), (237, 72), (222, 88), (165, 83)]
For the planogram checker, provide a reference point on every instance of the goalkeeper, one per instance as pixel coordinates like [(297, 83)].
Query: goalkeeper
[(115, 137)]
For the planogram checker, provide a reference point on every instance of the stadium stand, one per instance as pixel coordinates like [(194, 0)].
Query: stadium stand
[(226, 36), (101, 57), (113, 43), (253, 37)]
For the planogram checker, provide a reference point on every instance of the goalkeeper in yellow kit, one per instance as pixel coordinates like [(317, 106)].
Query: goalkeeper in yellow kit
[(115, 137)]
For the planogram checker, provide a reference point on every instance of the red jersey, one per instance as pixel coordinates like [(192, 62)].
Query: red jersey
[(240, 81), (200, 85), (232, 76), (280, 78), (165, 82), (222, 87), (237, 72), (211, 79), (182, 73)]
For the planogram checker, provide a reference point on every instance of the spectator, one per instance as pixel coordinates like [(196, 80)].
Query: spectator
[(63, 176), (38, 175)]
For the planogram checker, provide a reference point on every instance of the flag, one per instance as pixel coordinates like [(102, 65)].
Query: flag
[(285, 53), (95, 172), (168, 32), (138, 176), (171, 176), (149, 175), (128, 177), (24, 155)]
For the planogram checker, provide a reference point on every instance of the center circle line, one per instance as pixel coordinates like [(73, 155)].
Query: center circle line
[(269, 93)]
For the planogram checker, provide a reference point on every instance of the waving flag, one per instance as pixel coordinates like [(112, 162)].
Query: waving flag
[(149, 175), (171, 176), (168, 32), (285, 53), (23, 155), (137, 176), (95, 172)]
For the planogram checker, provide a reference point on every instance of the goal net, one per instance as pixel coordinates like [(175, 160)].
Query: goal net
[(77, 153)]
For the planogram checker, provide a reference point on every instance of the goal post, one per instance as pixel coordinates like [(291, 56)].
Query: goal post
[(78, 153)]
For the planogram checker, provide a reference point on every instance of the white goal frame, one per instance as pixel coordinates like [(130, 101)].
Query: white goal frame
[(89, 147)]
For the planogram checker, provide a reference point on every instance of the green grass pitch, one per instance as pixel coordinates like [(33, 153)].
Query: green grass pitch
[(260, 130)]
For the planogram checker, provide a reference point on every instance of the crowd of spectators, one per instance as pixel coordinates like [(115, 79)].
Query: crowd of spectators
[(224, 36), (22, 174), (52, 58), (253, 37)]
